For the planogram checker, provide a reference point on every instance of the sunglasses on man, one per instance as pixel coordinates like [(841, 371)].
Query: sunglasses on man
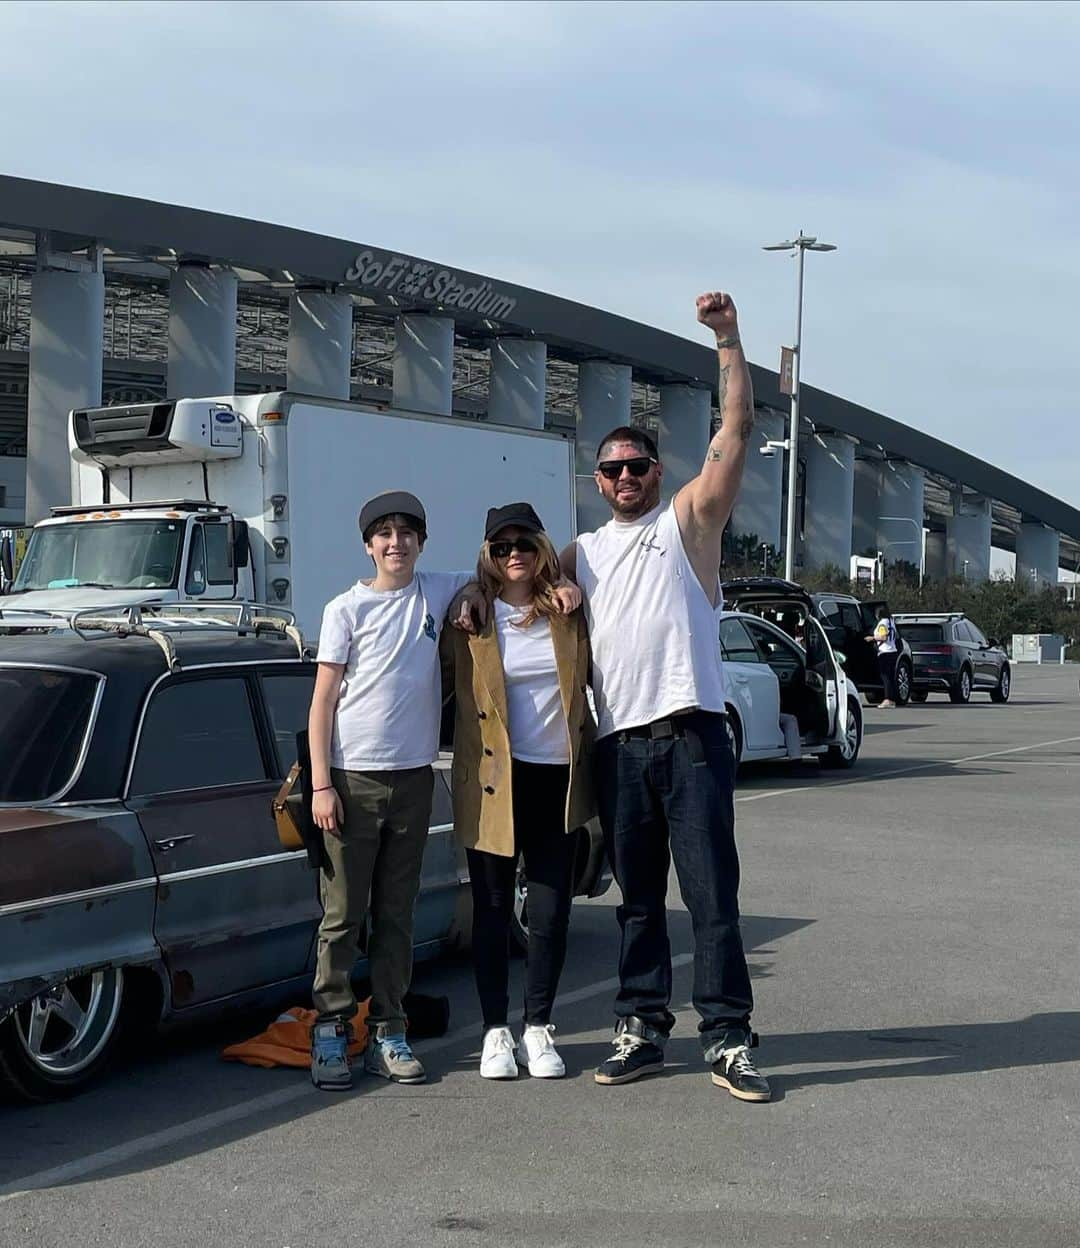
[(502, 550), (611, 469)]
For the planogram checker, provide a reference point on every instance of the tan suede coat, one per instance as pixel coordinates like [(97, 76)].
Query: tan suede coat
[(472, 668)]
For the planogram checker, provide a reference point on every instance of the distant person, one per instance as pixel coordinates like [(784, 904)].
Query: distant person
[(521, 778), (664, 766), (885, 638)]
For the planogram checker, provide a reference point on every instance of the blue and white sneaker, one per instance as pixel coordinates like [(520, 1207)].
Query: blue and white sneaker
[(330, 1056), (391, 1057)]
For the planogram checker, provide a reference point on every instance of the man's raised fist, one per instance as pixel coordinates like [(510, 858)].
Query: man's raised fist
[(717, 310)]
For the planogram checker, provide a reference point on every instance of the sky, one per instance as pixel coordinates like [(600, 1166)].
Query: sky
[(629, 156)]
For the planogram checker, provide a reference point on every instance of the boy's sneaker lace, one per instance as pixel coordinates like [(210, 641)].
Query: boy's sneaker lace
[(391, 1057), (734, 1069), (637, 1052), (497, 1058), (538, 1054), (330, 1056)]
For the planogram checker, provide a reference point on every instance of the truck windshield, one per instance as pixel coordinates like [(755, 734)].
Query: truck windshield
[(112, 554), (44, 718)]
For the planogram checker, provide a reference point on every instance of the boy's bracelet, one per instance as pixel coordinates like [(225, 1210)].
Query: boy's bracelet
[(325, 789)]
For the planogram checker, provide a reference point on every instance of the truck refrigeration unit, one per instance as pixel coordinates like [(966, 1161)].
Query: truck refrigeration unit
[(255, 498)]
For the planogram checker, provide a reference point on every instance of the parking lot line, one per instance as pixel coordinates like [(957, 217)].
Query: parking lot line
[(143, 1144), (903, 771)]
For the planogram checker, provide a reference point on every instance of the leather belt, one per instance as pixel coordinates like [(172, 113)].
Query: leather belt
[(674, 726)]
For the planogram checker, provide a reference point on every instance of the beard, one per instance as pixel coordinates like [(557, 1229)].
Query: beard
[(632, 506)]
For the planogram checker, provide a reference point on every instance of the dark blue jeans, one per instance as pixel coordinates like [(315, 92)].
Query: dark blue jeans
[(664, 799)]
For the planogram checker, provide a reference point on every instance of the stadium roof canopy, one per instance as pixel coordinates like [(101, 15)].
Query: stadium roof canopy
[(143, 238)]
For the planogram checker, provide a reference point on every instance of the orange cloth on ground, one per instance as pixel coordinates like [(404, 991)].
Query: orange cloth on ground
[(287, 1041)]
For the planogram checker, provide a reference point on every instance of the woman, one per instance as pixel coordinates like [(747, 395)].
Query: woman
[(884, 637), (520, 777)]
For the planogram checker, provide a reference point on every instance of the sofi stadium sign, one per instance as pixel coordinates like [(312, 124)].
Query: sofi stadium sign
[(413, 279)]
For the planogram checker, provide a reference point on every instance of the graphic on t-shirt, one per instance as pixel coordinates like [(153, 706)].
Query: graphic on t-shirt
[(651, 544), (429, 626)]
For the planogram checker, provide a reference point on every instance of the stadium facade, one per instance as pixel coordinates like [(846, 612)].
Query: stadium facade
[(111, 299)]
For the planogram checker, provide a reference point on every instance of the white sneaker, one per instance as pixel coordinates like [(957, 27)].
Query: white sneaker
[(497, 1059), (537, 1052)]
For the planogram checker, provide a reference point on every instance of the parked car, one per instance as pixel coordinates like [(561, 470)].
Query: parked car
[(769, 673), (952, 655), (142, 874), (847, 621)]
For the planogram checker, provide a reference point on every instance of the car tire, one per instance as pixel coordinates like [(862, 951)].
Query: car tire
[(919, 695), (960, 689), (903, 683), (60, 1041), (844, 756), (1001, 691), (733, 728)]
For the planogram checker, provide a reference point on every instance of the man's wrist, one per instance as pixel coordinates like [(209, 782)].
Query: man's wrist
[(726, 341)]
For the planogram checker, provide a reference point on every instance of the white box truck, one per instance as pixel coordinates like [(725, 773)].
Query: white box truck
[(255, 498)]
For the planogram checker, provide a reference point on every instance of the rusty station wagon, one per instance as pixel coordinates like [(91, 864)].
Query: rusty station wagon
[(141, 876)]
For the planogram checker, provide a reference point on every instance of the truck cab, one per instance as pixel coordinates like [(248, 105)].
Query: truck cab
[(171, 551)]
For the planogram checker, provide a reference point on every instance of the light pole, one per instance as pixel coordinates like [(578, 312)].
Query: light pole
[(804, 243)]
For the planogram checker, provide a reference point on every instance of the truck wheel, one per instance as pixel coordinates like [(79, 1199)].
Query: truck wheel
[(845, 754), (55, 1044), (903, 683), (1000, 693), (960, 691)]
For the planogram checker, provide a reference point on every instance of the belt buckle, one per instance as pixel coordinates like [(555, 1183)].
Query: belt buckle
[(661, 728)]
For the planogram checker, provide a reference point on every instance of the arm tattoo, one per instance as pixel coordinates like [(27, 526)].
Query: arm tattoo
[(721, 386), (714, 454), (746, 429)]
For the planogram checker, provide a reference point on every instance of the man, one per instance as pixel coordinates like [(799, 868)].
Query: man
[(664, 766)]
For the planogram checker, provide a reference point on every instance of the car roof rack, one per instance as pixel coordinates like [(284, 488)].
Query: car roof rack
[(942, 616), (160, 622), (173, 504)]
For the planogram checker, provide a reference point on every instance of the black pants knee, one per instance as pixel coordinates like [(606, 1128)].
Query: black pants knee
[(539, 795), (887, 668)]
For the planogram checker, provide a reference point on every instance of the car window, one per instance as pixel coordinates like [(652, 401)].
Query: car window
[(44, 718), (829, 611), (922, 634), (780, 654), (976, 635), (218, 554), (963, 632), (735, 643), (850, 617), (288, 699), (198, 734)]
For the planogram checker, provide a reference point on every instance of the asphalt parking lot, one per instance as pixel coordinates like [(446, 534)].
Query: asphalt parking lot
[(912, 931)]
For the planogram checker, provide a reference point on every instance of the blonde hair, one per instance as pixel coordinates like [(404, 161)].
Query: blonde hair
[(545, 578)]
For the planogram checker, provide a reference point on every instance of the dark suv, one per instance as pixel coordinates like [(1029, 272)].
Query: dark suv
[(953, 656), (847, 622)]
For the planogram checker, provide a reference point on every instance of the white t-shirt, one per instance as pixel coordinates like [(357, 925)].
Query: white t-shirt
[(537, 725), (387, 715), (885, 635), (654, 633)]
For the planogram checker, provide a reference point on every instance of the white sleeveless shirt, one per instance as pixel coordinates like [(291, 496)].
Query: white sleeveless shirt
[(655, 635)]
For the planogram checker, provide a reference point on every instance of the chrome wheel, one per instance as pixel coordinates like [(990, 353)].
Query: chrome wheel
[(66, 1028), (903, 683), (519, 928), (849, 747), (1005, 684)]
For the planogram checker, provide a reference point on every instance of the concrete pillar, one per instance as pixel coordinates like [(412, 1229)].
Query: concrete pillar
[(864, 534), (1038, 554), (969, 537), (685, 420), (424, 364), (318, 359), (202, 332), (937, 556), (603, 404), (760, 498), (67, 316), (518, 382), (900, 512), (830, 501)]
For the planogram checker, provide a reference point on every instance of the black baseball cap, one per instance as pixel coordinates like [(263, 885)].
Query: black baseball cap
[(521, 515), (393, 503)]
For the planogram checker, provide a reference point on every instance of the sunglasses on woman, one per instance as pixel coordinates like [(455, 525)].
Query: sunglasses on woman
[(611, 469), (501, 550)]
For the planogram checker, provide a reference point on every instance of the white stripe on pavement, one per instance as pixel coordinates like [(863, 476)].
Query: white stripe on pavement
[(143, 1144)]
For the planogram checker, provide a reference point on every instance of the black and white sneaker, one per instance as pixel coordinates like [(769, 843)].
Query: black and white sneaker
[(638, 1051), (734, 1069)]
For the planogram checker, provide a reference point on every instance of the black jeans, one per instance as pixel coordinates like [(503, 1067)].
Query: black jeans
[(539, 793), (887, 668), (670, 798)]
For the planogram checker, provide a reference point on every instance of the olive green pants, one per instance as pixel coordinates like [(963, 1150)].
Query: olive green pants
[(374, 870)]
